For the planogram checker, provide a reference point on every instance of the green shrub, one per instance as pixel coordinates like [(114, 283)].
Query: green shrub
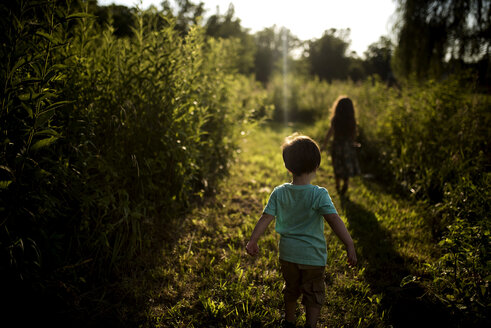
[(104, 138), (433, 140), (305, 99), (430, 141)]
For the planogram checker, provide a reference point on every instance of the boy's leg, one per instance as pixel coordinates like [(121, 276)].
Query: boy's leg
[(313, 289), (291, 292), (312, 315), (290, 309)]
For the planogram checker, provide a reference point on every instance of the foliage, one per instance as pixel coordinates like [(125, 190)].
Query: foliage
[(431, 140), (120, 17), (35, 177), (429, 31), (104, 138), (272, 45), (186, 14), (207, 279), (378, 57), (327, 55), (228, 27), (304, 99), (438, 150)]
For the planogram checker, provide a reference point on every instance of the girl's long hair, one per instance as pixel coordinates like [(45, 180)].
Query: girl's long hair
[(343, 118)]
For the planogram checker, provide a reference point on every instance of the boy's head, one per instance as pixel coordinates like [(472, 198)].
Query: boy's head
[(301, 154)]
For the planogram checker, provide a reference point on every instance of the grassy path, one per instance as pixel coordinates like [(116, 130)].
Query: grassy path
[(205, 279)]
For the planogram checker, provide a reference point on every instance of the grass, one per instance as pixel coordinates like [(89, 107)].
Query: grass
[(203, 277)]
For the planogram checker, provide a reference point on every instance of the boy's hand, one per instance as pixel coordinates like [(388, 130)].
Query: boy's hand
[(252, 248), (340, 230), (259, 229), (351, 256)]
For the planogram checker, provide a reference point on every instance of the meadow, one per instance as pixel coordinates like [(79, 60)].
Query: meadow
[(132, 171), (206, 279)]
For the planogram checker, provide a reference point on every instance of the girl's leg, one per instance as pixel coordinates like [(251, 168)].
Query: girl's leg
[(338, 183), (345, 186)]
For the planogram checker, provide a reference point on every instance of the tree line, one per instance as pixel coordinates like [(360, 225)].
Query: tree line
[(431, 39), (114, 120)]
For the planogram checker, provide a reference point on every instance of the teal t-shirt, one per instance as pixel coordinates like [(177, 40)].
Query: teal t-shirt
[(298, 211)]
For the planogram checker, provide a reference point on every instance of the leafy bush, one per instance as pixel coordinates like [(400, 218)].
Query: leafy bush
[(431, 140), (303, 98), (103, 138)]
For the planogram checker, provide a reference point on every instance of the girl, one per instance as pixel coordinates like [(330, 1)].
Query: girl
[(343, 128)]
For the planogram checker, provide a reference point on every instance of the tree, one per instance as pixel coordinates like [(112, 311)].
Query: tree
[(356, 70), (187, 13), (120, 17), (378, 57), (327, 55), (433, 31), (270, 49), (228, 27)]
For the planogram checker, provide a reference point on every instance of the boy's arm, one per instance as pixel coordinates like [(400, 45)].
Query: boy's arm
[(337, 225), (261, 225)]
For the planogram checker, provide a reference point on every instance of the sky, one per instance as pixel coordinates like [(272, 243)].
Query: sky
[(306, 19)]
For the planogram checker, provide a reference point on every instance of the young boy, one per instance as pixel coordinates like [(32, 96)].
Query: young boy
[(299, 209)]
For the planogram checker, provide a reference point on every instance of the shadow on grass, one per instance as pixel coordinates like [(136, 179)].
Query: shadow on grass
[(385, 268)]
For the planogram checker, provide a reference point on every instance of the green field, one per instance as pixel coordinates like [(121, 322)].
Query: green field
[(204, 278), (136, 157)]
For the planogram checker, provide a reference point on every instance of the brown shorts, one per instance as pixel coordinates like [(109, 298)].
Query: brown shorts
[(302, 279)]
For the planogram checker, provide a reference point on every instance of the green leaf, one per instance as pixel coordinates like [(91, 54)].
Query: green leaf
[(6, 168), (48, 37), (79, 15), (58, 104), (51, 75), (26, 82), (407, 280), (44, 142), (5, 184), (43, 118), (17, 65), (25, 97), (47, 132), (28, 109)]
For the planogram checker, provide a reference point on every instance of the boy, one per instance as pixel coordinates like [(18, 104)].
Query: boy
[(299, 209)]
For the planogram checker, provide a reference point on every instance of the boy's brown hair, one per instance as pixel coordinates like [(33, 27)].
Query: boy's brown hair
[(301, 154)]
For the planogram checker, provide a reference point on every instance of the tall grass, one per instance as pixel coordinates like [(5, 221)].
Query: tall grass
[(434, 140), (104, 138), (430, 142)]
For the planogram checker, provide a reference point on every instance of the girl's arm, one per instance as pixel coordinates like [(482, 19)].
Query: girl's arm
[(261, 225), (328, 136), (337, 225), (354, 135), (329, 133)]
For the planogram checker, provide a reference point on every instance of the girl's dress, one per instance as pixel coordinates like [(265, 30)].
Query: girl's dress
[(344, 158)]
